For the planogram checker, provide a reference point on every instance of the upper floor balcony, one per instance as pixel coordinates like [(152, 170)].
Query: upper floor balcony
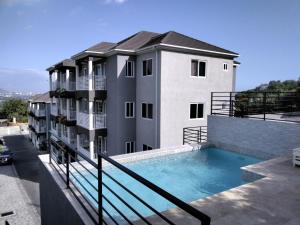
[(54, 110), (93, 121), (97, 82), (40, 112)]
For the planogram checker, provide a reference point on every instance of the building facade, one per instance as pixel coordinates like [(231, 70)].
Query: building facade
[(137, 94), (39, 120)]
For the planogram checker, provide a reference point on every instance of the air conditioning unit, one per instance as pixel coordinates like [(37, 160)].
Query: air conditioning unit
[(296, 157)]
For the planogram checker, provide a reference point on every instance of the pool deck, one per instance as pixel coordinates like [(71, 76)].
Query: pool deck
[(274, 199)]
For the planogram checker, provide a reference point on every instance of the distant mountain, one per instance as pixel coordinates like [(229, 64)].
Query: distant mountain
[(287, 85)]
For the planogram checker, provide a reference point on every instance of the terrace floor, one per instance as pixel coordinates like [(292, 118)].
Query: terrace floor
[(274, 199)]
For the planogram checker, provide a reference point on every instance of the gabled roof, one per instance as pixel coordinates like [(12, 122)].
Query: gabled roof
[(63, 63), (101, 47), (135, 41), (176, 39), (45, 97)]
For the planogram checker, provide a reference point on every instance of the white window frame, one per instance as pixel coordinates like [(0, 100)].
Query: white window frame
[(225, 67), (151, 67), (133, 110), (206, 67), (132, 69), (129, 142), (202, 118), (147, 118)]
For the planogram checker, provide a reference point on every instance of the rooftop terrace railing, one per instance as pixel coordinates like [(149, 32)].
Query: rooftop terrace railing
[(277, 106), (91, 196)]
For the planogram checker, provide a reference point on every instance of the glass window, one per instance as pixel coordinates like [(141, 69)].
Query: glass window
[(196, 110), (129, 69), (147, 67), (146, 147), (130, 147), (129, 109), (147, 110)]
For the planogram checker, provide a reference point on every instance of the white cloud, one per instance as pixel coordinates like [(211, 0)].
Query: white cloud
[(18, 2), (115, 1)]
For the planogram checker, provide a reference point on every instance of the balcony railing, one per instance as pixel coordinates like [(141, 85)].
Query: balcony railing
[(83, 119), (99, 121), (194, 135), (71, 115), (40, 112), (104, 208), (83, 83), (277, 106), (99, 82), (71, 86), (54, 110), (40, 129)]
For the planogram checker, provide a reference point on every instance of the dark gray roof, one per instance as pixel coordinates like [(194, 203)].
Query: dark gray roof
[(135, 41), (45, 97), (236, 62), (65, 62), (174, 38), (102, 47)]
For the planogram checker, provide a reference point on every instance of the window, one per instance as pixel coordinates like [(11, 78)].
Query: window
[(147, 67), (129, 69), (130, 147), (99, 107), (225, 66), (196, 110), (147, 110), (146, 147), (129, 109), (198, 68)]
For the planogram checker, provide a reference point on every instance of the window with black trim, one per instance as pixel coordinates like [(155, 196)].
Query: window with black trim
[(147, 67), (225, 66), (198, 68), (147, 110), (196, 110), (129, 109), (129, 68), (147, 147), (130, 146)]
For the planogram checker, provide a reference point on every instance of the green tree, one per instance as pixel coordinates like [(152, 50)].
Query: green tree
[(15, 108)]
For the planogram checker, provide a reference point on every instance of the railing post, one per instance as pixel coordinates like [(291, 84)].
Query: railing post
[(200, 135), (68, 169), (264, 104), (183, 136), (230, 105), (100, 203), (211, 103)]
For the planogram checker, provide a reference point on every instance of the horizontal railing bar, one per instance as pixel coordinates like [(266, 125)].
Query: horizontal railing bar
[(137, 197), (110, 216), (78, 161), (189, 209), (125, 203)]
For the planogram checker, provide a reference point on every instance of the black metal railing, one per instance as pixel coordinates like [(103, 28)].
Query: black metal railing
[(75, 168), (278, 106), (194, 135)]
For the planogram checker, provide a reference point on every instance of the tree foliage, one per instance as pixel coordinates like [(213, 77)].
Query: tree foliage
[(15, 108)]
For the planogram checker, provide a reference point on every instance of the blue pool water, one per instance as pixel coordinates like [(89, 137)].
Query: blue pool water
[(189, 176)]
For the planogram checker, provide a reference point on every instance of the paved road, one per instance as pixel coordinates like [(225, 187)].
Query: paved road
[(27, 166)]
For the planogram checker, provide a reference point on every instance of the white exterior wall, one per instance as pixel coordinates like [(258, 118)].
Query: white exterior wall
[(179, 89)]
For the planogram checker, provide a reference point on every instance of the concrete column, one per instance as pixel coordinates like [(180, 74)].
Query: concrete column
[(67, 78), (91, 116), (77, 76), (69, 134), (92, 150), (77, 110), (68, 107), (78, 141), (50, 80), (90, 73)]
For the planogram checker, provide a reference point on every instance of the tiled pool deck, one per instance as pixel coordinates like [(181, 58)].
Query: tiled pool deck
[(272, 200)]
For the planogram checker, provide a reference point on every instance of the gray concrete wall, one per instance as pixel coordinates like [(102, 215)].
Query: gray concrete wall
[(120, 89), (179, 89), (264, 139), (56, 209), (147, 90)]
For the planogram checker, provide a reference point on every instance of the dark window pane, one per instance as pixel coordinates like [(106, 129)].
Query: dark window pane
[(149, 148), (127, 109), (130, 109), (144, 147), (193, 111), (202, 69), (194, 68), (149, 69), (144, 68), (129, 68), (128, 147), (144, 110), (150, 109), (200, 111)]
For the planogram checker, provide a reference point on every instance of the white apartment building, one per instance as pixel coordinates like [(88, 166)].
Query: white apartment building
[(38, 120), (137, 94)]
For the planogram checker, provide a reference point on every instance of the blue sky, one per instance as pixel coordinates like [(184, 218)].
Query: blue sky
[(35, 34)]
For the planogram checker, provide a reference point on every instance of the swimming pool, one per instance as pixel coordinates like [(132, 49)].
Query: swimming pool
[(189, 176)]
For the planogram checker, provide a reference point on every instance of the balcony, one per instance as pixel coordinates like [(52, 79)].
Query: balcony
[(83, 119), (99, 121), (71, 86), (100, 82), (40, 112), (40, 129), (83, 83), (54, 110), (71, 115)]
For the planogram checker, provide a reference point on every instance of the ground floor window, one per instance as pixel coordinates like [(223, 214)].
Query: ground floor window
[(146, 147), (196, 110), (130, 146), (147, 110)]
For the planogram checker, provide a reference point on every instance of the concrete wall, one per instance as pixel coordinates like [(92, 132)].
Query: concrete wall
[(147, 90), (264, 139), (179, 89)]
